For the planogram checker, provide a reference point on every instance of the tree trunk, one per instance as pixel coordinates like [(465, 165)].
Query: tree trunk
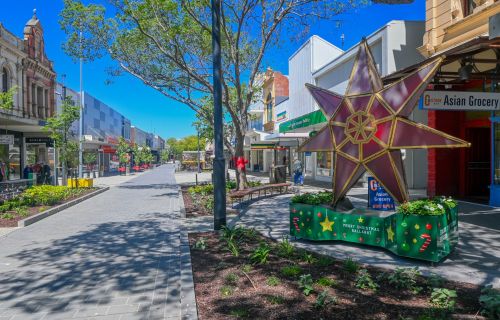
[(239, 155)]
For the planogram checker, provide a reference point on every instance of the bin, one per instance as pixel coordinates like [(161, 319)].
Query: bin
[(279, 174)]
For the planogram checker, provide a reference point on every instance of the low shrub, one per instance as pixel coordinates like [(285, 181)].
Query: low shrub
[(326, 282), (351, 265), (323, 299), (306, 284), (261, 254), (443, 299), (309, 258), (427, 207), (285, 248), (231, 279), (405, 278), (273, 281), (226, 291), (200, 244), (291, 271), (364, 280), (324, 261), (490, 302), (7, 216), (246, 268), (314, 199)]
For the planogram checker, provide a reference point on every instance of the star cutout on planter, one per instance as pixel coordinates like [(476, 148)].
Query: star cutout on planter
[(327, 224), (369, 125), (390, 234)]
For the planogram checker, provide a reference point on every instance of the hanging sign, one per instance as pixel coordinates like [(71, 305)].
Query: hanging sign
[(6, 139), (40, 140), (378, 198), (460, 100)]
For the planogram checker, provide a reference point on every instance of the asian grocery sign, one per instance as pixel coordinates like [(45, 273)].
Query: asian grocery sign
[(460, 100), (378, 198)]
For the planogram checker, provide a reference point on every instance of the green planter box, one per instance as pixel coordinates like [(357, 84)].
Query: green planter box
[(428, 238)]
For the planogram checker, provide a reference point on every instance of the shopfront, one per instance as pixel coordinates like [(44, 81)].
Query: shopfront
[(10, 155), (40, 152)]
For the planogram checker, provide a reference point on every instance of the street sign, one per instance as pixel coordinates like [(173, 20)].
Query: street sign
[(6, 139), (378, 198), (460, 100)]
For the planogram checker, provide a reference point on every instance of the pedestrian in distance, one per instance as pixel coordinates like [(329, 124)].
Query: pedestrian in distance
[(298, 176)]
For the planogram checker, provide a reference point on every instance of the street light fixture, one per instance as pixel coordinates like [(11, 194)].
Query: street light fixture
[(219, 162)]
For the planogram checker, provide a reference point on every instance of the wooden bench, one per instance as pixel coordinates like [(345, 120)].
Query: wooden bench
[(249, 192)]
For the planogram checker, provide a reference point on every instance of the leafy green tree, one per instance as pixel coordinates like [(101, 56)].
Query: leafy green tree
[(164, 156), (167, 45), (123, 150), (7, 98), (59, 129)]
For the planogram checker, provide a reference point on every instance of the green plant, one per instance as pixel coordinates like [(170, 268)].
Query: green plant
[(323, 299), (231, 278), (42, 209), (309, 258), (291, 271), (275, 299), (226, 291), (326, 282), (261, 254), (22, 211), (7, 216), (249, 233), (246, 268), (233, 247), (443, 299), (426, 207), (351, 265), (200, 244), (324, 197), (324, 261), (405, 278), (364, 280), (490, 302), (306, 284), (285, 248), (273, 281), (239, 313)]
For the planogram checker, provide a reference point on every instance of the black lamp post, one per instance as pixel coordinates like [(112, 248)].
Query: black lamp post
[(219, 162)]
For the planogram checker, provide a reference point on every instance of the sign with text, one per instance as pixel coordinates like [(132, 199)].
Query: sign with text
[(378, 198), (40, 140), (6, 139), (460, 100)]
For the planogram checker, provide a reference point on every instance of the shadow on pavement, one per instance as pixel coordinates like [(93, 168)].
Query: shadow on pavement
[(125, 257)]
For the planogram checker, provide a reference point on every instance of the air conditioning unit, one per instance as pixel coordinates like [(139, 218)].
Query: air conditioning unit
[(494, 24)]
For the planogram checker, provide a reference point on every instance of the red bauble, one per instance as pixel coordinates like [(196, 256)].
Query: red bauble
[(428, 226)]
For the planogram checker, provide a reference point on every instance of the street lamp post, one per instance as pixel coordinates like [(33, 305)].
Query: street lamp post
[(219, 162), (80, 131), (198, 155)]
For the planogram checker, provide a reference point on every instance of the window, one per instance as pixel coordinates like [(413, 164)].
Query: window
[(468, 7), (5, 80), (269, 108), (323, 164)]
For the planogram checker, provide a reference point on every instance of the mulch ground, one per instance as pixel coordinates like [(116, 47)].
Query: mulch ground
[(193, 210), (225, 291), (9, 223)]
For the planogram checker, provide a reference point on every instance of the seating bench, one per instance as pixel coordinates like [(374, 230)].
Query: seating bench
[(249, 192)]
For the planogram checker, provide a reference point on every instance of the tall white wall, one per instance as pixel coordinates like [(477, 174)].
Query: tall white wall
[(312, 55)]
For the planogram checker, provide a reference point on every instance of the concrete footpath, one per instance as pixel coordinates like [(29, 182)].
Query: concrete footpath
[(119, 255)]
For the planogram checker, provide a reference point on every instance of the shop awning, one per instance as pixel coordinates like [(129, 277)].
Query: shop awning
[(307, 120), (466, 51), (266, 146)]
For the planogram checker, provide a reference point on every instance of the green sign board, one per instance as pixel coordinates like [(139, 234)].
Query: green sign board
[(428, 238), (303, 121)]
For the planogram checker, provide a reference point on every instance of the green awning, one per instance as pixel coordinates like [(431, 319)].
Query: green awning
[(306, 120)]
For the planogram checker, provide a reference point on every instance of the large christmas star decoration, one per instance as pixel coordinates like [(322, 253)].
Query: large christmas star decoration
[(369, 126)]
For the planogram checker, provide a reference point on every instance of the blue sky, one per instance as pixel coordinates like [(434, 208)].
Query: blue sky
[(150, 110)]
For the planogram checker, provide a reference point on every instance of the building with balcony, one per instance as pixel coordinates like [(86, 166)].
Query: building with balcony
[(25, 68)]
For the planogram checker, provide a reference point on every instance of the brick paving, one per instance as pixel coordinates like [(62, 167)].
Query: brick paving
[(115, 256)]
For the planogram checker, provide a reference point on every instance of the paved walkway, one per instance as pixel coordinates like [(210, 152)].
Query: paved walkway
[(115, 256)]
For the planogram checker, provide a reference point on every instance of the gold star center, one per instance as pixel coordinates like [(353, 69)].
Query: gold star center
[(359, 127)]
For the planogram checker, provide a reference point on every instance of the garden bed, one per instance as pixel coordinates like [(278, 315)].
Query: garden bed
[(9, 218), (231, 287), (198, 200)]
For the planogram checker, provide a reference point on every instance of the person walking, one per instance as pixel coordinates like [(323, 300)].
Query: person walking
[(298, 177)]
